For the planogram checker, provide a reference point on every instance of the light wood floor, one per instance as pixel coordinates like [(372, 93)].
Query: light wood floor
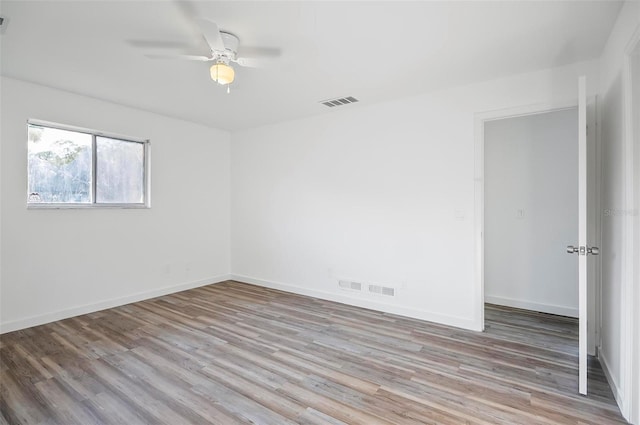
[(236, 353)]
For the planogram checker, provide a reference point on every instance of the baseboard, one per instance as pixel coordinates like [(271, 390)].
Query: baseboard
[(101, 305), (615, 388), (527, 305), (459, 322)]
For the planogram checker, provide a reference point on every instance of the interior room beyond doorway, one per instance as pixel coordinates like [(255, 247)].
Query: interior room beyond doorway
[(531, 212)]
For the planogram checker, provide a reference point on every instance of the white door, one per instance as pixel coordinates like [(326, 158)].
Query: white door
[(583, 249)]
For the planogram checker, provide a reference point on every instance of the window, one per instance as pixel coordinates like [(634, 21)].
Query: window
[(70, 167)]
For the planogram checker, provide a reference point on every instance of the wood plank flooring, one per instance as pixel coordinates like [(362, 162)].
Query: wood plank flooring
[(236, 353)]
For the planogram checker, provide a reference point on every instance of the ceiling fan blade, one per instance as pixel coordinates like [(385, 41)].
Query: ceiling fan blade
[(211, 34), (252, 62), (187, 9), (255, 51), (157, 44), (182, 57)]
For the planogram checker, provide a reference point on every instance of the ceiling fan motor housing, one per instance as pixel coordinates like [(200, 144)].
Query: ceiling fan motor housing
[(231, 43)]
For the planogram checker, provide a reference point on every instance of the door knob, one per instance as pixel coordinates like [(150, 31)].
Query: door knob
[(594, 250)]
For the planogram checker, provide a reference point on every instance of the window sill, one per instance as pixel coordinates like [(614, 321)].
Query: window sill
[(52, 206)]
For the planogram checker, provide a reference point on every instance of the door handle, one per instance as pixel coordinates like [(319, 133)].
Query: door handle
[(593, 250)]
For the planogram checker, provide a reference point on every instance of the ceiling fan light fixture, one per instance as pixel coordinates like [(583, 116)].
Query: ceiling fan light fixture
[(222, 73)]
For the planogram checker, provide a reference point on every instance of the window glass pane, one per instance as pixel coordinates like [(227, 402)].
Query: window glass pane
[(119, 171), (59, 165)]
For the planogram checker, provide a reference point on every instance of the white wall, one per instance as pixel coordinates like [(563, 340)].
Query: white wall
[(531, 167), (635, 414), (615, 209), (375, 194), (59, 263)]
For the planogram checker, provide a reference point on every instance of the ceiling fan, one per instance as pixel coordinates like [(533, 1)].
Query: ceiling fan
[(223, 47)]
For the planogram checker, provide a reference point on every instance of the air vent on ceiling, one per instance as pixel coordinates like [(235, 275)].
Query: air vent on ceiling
[(339, 101)]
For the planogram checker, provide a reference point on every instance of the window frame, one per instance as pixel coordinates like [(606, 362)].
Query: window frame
[(146, 174)]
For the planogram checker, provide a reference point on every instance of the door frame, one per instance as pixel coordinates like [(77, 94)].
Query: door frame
[(630, 329), (481, 118)]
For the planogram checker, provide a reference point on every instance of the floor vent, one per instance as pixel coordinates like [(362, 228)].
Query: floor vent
[(384, 290), (339, 101), (353, 286)]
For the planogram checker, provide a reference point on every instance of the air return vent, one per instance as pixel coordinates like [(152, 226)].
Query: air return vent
[(352, 286), (339, 101), (384, 290)]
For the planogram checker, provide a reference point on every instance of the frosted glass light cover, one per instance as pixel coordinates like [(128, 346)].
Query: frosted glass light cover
[(222, 74)]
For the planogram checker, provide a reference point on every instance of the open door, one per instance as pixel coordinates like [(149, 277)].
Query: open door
[(585, 218)]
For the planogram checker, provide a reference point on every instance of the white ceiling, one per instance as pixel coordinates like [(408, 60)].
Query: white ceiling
[(372, 50)]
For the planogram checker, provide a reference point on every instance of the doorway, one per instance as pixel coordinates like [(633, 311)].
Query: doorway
[(531, 211), (590, 294), (531, 289)]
